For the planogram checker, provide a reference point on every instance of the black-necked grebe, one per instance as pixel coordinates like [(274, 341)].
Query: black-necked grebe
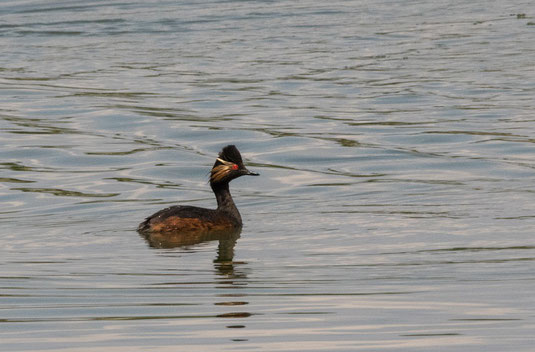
[(188, 219)]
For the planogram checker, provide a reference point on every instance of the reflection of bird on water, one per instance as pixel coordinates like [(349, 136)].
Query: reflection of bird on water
[(227, 240), (181, 225)]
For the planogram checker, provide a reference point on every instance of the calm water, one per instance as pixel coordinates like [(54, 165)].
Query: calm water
[(396, 205)]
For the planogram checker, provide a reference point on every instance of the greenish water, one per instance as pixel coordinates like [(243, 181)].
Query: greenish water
[(395, 208)]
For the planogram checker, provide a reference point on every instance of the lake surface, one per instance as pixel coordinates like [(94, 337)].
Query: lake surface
[(395, 210)]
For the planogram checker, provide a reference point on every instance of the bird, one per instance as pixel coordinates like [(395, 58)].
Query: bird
[(190, 220)]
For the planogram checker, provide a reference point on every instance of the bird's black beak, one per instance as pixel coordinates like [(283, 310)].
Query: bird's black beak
[(249, 173)]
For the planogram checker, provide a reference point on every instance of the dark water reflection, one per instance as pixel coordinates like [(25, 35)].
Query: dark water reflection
[(228, 273), (226, 240), (395, 208)]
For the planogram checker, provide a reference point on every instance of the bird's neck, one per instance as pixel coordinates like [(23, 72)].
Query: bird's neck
[(225, 202)]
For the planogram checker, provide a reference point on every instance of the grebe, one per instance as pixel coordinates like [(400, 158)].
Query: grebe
[(186, 219)]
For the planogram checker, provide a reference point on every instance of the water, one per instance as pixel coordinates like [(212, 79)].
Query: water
[(395, 208)]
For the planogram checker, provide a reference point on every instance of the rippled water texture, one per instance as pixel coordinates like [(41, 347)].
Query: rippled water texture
[(395, 208)]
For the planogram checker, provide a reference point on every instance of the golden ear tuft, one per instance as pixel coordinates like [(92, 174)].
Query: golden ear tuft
[(219, 173), (224, 162)]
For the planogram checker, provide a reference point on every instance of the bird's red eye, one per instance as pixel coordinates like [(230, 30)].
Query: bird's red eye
[(234, 167)]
